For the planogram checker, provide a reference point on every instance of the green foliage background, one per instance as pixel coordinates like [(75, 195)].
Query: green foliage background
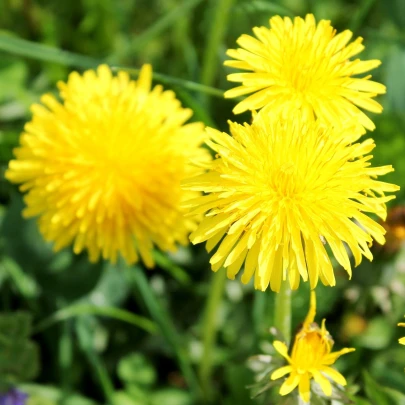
[(108, 334)]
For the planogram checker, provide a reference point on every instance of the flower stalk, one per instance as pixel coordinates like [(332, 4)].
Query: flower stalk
[(282, 311), (210, 328)]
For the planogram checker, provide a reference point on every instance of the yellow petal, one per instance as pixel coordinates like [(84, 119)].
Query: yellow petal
[(282, 349), (304, 387), (323, 382), (335, 375), (290, 384), (280, 372)]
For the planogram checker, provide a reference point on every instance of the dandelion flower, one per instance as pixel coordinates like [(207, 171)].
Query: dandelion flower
[(102, 167), (402, 340), (281, 189), (303, 65), (311, 357)]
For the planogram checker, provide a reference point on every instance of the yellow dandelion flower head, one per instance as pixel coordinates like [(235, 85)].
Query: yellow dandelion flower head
[(303, 65), (401, 340), (280, 190), (102, 167), (311, 357)]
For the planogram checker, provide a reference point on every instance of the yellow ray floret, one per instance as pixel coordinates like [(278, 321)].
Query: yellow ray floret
[(303, 65), (102, 168), (311, 357), (279, 191)]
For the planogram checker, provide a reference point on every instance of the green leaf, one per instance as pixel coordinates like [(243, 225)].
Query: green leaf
[(12, 78), (238, 377), (24, 284), (52, 396), (19, 361), (112, 288), (55, 274), (19, 357), (15, 325), (136, 369), (374, 392), (34, 400), (122, 398), (397, 398), (171, 396), (17, 46), (163, 261)]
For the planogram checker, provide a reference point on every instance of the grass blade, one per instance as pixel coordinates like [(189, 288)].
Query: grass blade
[(165, 22), (360, 15), (215, 36), (210, 329), (174, 81), (34, 50), (261, 6), (138, 279), (22, 47), (76, 310), (85, 336), (176, 271)]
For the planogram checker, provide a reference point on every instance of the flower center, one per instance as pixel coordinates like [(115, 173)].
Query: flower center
[(309, 350), (285, 181), (304, 68), (301, 78)]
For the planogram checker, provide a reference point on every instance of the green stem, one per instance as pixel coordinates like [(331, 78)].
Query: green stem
[(103, 377), (360, 15), (85, 333), (282, 311), (167, 21), (166, 326), (210, 327), (221, 14), (65, 357), (262, 316)]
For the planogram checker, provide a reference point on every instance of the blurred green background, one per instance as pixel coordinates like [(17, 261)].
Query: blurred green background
[(84, 334)]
